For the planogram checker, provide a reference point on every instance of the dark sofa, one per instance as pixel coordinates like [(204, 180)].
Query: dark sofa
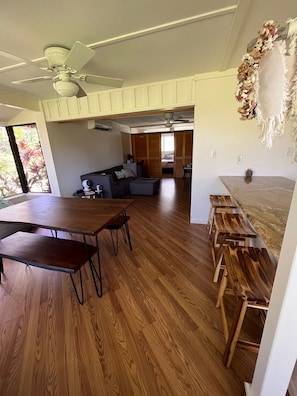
[(113, 187)]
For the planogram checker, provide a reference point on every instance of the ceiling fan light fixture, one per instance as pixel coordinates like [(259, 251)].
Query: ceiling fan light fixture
[(66, 88)]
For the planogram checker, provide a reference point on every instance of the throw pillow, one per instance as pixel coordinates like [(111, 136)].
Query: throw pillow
[(119, 174), (128, 173)]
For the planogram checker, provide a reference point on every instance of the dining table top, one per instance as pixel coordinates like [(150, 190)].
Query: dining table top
[(83, 216)]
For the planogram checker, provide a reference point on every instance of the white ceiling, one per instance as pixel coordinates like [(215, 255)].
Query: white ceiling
[(139, 41)]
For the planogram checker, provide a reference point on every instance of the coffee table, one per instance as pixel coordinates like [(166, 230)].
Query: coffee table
[(144, 186)]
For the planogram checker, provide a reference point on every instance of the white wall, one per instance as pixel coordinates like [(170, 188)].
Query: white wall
[(218, 127), (77, 150)]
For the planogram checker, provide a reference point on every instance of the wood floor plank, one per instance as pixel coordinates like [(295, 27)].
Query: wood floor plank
[(156, 330)]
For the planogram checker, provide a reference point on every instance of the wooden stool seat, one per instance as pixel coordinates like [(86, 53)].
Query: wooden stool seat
[(219, 203), (229, 228), (249, 272)]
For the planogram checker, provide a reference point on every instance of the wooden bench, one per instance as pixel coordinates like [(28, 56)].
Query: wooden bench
[(49, 253)]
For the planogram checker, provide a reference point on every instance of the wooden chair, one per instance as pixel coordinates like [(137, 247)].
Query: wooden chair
[(219, 203), (249, 273), (119, 223), (229, 228)]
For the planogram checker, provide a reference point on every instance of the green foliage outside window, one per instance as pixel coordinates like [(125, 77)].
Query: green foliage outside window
[(32, 162)]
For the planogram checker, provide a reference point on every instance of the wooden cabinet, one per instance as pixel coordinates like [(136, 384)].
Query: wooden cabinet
[(154, 154), (147, 148), (183, 142)]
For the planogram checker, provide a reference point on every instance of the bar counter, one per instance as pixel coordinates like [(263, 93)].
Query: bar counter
[(265, 201)]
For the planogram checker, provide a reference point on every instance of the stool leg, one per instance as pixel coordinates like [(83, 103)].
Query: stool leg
[(115, 243), (239, 314), (210, 220), (217, 259), (127, 231), (218, 264), (220, 304), (222, 288)]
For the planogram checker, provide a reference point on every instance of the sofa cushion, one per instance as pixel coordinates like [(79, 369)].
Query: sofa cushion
[(128, 173), (119, 174)]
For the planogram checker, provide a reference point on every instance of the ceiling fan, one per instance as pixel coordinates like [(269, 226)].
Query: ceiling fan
[(170, 120), (66, 64)]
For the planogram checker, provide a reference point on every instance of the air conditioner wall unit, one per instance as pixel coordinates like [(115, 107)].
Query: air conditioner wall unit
[(93, 124)]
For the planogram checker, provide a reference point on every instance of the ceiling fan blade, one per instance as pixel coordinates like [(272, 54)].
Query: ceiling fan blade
[(100, 80), (33, 80), (181, 121), (81, 92), (78, 56)]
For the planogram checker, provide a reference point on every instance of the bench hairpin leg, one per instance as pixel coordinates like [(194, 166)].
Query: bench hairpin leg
[(80, 299)]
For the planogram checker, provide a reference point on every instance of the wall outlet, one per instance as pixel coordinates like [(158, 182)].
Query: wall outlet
[(239, 159)]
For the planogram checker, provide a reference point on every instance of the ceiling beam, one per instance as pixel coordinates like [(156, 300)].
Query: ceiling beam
[(238, 20), (166, 26), (18, 101)]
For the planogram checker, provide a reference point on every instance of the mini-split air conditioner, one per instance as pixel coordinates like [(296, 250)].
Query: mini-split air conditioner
[(93, 124)]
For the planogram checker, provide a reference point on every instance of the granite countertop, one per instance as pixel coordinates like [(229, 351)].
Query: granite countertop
[(265, 201)]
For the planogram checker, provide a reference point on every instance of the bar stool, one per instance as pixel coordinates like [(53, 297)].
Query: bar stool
[(119, 223), (219, 203), (229, 228), (249, 272)]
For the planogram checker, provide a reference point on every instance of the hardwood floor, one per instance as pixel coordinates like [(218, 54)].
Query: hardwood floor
[(155, 331)]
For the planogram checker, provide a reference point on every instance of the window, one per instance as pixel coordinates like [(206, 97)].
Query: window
[(167, 147), (22, 166)]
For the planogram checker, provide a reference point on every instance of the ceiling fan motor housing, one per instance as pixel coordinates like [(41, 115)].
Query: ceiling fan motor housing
[(56, 57)]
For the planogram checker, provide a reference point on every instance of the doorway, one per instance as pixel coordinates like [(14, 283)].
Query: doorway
[(167, 154)]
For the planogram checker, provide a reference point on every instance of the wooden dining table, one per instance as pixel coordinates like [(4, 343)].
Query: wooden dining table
[(81, 216), (86, 217)]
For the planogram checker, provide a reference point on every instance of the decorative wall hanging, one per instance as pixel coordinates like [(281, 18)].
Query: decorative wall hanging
[(267, 81)]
